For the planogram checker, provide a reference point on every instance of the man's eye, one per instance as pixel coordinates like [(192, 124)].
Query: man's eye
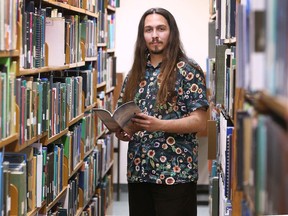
[(148, 30)]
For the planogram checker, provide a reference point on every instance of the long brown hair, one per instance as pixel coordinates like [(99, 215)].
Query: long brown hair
[(172, 53)]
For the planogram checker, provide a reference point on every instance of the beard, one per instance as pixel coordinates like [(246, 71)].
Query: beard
[(156, 51)]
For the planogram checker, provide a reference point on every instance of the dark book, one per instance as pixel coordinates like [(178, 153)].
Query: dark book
[(220, 74), (240, 115)]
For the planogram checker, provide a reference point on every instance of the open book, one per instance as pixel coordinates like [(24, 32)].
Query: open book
[(121, 118)]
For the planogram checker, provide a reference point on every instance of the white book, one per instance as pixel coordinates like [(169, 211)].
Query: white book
[(39, 173), (258, 45), (2, 24), (223, 19), (55, 39)]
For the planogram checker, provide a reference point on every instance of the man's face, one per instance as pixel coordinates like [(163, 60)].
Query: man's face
[(156, 33)]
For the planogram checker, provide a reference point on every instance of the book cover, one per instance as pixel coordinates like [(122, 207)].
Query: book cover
[(55, 38), (1, 181), (17, 167), (38, 153), (31, 177), (121, 118), (6, 191)]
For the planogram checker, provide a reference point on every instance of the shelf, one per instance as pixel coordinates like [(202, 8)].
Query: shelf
[(8, 140), (278, 105), (110, 90), (88, 152), (35, 211), (32, 71), (29, 142), (101, 85), (46, 141), (88, 108), (101, 134), (76, 119), (94, 58), (59, 196), (111, 8), (71, 8), (77, 64), (264, 103), (101, 44), (110, 50), (12, 53), (230, 40), (213, 16), (109, 167), (75, 170)]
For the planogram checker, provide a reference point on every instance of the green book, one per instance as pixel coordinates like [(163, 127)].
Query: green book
[(6, 196), (67, 146), (3, 105), (44, 176), (18, 177), (6, 107), (12, 82)]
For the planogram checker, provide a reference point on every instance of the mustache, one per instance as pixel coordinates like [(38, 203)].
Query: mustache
[(155, 40)]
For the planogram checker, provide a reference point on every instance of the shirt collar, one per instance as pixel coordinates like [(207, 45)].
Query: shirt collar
[(149, 65)]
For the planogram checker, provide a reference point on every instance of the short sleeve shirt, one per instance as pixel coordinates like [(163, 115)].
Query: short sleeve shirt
[(160, 157)]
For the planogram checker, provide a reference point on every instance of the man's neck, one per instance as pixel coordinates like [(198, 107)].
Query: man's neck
[(155, 59)]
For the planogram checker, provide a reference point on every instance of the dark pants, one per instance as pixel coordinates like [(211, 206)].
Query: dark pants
[(147, 199)]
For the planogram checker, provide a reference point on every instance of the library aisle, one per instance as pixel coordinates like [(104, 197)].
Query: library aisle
[(120, 208)]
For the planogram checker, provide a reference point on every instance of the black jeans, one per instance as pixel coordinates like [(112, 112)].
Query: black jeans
[(146, 199)]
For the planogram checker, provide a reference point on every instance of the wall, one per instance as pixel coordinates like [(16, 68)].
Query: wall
[(192, 18)]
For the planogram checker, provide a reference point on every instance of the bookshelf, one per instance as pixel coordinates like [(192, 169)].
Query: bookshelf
[(248, 164), (57, 63)]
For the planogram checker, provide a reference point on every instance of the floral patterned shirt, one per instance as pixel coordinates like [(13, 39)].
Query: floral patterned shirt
[(160, 157)]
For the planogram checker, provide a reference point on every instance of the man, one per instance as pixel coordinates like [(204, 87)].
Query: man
[(170, 90)]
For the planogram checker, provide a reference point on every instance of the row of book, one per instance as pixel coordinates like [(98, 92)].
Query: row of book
[(221, 165), (45, 104), (106, 68), (220, 76), (36, 30), (225, 162), (225, 11), (62, 34), (261, 174), (111, 25), (260, 167), (262, 46), (44, 172), (262, 136), (88, 30)]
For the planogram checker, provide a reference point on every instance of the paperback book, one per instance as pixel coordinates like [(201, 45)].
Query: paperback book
[(120, 118)]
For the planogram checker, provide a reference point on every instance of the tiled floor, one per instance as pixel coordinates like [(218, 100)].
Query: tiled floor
[(120, 208)]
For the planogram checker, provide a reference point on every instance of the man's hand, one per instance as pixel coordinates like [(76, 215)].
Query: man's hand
[(146, 122), (122, 135)]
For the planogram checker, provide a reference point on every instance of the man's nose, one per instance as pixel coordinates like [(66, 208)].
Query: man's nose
[(154, 33)]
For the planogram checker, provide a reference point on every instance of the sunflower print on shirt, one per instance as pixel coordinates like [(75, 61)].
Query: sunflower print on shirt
[(159, 157)]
